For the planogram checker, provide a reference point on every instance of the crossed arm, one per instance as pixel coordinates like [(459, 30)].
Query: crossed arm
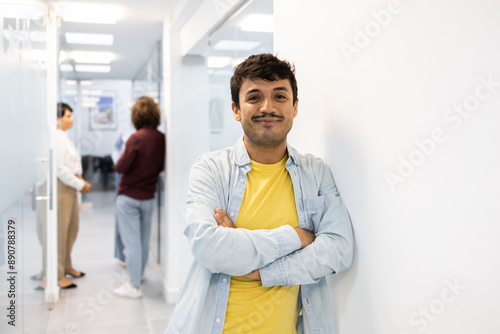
[(280, 255), (223, 220)]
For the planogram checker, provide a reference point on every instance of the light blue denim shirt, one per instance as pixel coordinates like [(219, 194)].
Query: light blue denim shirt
[(218, 180)]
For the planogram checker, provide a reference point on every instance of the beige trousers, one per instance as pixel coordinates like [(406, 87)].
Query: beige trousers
[(67, 226)]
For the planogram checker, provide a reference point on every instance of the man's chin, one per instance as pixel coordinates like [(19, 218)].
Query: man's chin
[(267, 141)]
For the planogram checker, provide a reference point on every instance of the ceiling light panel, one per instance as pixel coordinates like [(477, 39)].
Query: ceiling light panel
[(236, 45), (70, 92), (218, 62), (91, 57), (89, 39), (258, 23), (91, 13), (236, 61), (66, 68), (93, 68), (95, 92)]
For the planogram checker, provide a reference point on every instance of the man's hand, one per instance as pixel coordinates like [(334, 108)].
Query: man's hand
[(222, 218), (86, 187), (306, 237), (255, 275)]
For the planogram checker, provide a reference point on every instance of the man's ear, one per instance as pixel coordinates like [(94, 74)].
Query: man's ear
[(296, 108), (236, 112)]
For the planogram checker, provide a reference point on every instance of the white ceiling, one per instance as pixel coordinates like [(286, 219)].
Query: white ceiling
[(135, 36), (230, 31)]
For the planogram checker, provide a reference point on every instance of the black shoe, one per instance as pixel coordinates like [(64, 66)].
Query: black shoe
[(37, 277), (71, 286), (73, 276)]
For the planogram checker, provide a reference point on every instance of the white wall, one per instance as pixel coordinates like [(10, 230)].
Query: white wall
[(426, 242), (230, 130), (186, 115)]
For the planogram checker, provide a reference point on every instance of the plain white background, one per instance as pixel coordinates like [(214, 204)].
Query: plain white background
[(426, 249)]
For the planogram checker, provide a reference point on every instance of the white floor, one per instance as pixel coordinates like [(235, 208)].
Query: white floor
[(92, 307)]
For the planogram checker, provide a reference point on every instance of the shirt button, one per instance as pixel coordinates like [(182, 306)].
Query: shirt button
[(217, 320), (231, 214), (242, 180), (224, 280)]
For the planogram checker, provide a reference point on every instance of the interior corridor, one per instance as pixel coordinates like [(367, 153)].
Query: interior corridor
[(92, 307)]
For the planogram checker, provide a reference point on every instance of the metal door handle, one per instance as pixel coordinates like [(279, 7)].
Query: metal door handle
[(34, 193)]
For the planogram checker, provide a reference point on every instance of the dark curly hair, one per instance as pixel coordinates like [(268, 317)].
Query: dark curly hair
[(263, 66), (145, 112)]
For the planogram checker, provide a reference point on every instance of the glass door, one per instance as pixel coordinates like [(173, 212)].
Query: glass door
[(25, 157)]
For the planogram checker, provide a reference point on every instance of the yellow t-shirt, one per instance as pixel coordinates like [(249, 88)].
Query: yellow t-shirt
[(268, 203)]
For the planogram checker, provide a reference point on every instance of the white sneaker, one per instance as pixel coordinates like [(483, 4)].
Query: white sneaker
[(128, 290)]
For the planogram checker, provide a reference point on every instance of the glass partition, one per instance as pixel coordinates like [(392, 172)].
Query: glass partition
[(25, 161), (249, 31), (148, 82)]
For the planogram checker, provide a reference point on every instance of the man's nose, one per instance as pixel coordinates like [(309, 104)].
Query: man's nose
[(267, 104)]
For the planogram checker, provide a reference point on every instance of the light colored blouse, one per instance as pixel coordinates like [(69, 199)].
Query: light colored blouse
[(68, 161)]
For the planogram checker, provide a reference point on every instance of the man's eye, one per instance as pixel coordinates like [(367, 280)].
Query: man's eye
[(280, 96), (253, 98)]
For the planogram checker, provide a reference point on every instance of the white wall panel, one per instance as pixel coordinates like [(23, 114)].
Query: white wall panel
[(385, 87)]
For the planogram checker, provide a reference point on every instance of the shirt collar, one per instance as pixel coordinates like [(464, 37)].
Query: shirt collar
[(242, 157)]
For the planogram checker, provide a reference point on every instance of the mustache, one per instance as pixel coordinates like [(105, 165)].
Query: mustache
[(267, 115)]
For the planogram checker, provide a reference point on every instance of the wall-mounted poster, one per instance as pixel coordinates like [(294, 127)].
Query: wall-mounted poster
[(102, 116)]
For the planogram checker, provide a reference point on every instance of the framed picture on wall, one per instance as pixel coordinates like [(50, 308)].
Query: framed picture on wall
[(102, 114)]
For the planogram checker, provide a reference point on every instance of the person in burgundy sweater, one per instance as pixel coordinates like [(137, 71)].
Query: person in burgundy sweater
[(140, 163)]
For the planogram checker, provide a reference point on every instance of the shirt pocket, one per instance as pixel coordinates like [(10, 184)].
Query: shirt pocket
[(313, 208)]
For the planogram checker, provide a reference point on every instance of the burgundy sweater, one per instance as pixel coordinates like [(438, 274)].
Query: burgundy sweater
[(141, 163)]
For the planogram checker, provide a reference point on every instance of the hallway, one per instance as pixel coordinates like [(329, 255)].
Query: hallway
[(92, 307)]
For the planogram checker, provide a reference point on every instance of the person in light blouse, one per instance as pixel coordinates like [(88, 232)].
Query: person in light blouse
[(69, 181)]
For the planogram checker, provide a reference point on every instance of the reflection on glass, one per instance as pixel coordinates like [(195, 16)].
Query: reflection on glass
[(248, 32), (148, 82), (24, 133)]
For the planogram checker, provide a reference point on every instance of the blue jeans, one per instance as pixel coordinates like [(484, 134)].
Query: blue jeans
[(135, 219), (118, 240)]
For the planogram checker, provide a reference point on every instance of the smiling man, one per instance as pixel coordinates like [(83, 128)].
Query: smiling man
[(265, 223)]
